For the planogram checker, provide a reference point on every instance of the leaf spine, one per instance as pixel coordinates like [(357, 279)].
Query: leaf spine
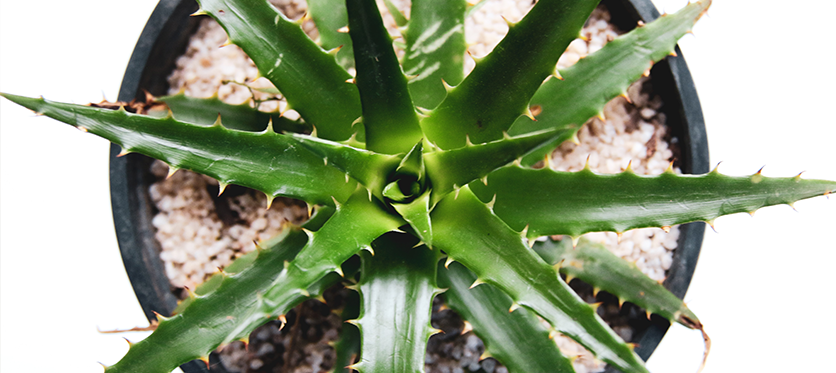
[(716, 168), (221, 187), (476, 283), (711, 224), (448, 261), (569, 278), (556, 74), (369, 249), (527, 112), (492, 202), (269, 200), (513, 307)]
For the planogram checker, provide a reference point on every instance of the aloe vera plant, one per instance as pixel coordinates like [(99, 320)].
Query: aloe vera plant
[(409, 169)]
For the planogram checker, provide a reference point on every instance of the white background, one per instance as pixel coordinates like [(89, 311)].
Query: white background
[(762, 288)]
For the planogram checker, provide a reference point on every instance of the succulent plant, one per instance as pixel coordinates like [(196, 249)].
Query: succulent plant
[(427, 176)]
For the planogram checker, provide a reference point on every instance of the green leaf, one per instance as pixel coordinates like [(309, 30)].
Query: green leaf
[(600, 268), (450, 169), (598, 78), (396, 287), (211, 318), (205, 111), (369, 168), (400, 19), (330, 16), (435, 48), (388, 115), (417, 214), (470, 234), (352, 228), (517, 339), (308, 77), (572, 203), (500, 86), (272, 163)]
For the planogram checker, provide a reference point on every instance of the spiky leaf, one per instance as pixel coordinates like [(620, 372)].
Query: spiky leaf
[(435, 49), (274, 163), (397, 286), (369, 168), (330, 18), (469, 233), (217, 313), (308, 77), (601, 269), (500, 86), (388, 115), (449, 169), (596, 79), (517, 339), (572, 203), (242, 117)]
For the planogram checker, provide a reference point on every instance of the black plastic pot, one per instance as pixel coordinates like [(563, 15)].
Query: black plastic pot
[(165, 38)]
